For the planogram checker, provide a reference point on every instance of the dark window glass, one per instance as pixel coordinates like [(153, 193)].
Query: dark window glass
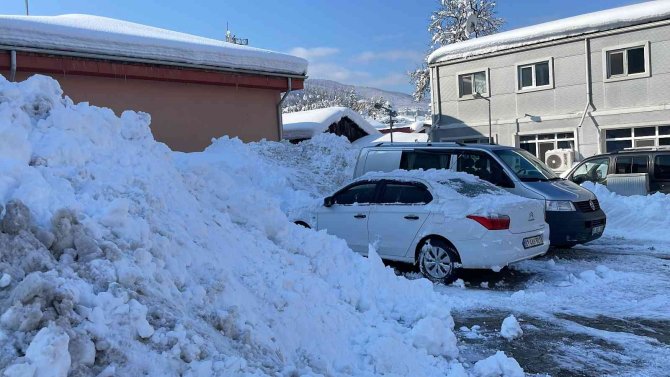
[(664, 141), (615, 146), (623, 132), (466, 85), (527, 138), (404, 193), (565, 145), (645, 131), (546, 136), (411, 160), (664, 130), (530, 147), (361, 194), (566, 135), (483, 167), (480, 82), (616, 63), (623, 165), (635, 60), (544, 148), (640, 164), (542, 74), (662, 167), (526, 76)]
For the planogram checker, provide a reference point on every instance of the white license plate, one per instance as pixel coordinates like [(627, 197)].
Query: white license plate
[(532, 242), (597, 229)]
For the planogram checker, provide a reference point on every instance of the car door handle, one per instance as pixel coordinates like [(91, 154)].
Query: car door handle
[(359, 216), (412, 217)]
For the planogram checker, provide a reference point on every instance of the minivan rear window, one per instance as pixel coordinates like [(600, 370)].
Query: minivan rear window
[(662, 167), (425, 160)]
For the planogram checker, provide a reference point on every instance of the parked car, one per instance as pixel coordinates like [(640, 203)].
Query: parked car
[(438, 222), (572, 212), (652, 162)]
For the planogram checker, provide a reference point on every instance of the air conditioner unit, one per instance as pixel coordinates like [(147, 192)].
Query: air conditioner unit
[(559, 159)]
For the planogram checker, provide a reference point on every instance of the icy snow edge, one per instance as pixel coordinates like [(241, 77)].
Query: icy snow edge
[(307, 124), (567, 27), (101, 35)]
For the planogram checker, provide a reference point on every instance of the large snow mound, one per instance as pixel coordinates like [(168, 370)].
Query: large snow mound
[(116, 38), (583, 24), (127, 259), (307, 124), (634, 217)]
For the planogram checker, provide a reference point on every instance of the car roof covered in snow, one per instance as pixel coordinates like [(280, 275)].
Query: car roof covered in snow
[(554, 30), (118, 39), (307, 124)]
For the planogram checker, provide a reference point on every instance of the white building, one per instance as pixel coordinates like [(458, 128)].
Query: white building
[(594, 83)]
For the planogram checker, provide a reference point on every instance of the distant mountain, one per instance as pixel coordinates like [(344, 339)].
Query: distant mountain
[(400, 101)]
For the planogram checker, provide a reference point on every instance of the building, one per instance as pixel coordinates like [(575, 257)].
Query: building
[(194, 88), (593, 83), (342, 121)]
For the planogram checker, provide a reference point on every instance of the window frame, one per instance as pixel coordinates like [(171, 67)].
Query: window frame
[(382, 188), (468, 97), (532, 63), (625, 47), (632, 138), (554, 140)]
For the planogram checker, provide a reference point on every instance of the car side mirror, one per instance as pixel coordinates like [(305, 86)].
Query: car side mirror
[(328, 201)]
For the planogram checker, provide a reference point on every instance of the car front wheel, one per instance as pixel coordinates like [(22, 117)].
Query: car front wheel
[(437, 261)]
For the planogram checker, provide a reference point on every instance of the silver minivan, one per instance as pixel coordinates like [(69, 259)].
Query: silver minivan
[(572, 212)]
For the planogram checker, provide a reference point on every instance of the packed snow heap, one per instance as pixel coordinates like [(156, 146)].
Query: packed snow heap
[(119, 257)]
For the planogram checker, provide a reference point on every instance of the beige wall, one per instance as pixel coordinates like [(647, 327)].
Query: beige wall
[(184, 116)]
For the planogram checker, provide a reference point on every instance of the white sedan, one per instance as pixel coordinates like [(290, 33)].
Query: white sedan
[(439, 221)]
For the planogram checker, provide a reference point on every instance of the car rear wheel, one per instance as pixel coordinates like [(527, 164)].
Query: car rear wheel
[(437, 261)]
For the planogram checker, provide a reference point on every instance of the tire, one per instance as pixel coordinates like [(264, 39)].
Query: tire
[(438, 261)]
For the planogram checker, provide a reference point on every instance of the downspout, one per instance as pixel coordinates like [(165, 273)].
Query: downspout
[(589, 92), (438, 120), (280, 123), (12, 65)]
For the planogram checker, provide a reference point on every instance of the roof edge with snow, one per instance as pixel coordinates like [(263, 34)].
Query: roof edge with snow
[(551, 31), (309, 123)]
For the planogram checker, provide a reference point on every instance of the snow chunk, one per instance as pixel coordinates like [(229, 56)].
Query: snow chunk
[(307, 124), (5, 280), (647, 11), (498, 365), (510, 328), (116, 38), (435, 336), (47, 355)]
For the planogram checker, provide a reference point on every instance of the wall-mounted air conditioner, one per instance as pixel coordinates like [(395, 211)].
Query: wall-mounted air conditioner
[(559, 159)]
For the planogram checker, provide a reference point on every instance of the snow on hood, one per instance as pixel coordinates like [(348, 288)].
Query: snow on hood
[(586, 23), (150, 262), (307, 124), (107, 36)]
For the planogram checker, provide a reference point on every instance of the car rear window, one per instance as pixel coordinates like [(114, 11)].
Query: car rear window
[(662, 167)]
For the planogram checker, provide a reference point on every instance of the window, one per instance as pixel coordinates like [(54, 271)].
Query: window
[(536, 75), (471, 83), (405, 193), (639, 137), (483, 167), (662, 167), (631, 164), (593, 170), (425, 160), (526, 166), (363, 193), (540, 144), (627, 61)]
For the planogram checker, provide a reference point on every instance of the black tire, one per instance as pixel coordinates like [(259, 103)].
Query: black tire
[(438, 261)]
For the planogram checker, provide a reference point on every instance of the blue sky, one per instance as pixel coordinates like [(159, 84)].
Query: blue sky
[(363, 42)]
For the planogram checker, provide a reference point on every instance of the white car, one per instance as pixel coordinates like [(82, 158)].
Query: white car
[(440, 221)]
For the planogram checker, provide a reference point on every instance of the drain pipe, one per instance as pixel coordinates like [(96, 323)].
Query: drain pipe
[(280, 123), (12, 65), (589, 92)]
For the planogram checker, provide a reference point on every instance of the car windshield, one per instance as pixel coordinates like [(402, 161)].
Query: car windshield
[(526, 166)]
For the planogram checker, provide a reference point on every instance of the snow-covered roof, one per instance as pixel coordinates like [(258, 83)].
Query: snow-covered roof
[(307, 124), (398, 137), (549, 31), (106, 36)]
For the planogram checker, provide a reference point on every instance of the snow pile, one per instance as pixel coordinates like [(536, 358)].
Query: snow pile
[(116, 38), (128, 259), (587, 23), (634, 217), (510, 328), (307, 124), (498, 365)]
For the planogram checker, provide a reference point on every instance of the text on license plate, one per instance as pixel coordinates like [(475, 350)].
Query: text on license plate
[(532, 242), (597, 229)]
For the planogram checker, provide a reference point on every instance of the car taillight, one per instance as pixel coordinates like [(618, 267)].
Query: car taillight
[(498, 222)]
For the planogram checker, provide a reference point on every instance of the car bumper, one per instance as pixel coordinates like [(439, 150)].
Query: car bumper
[(497, 249), (575, 227)]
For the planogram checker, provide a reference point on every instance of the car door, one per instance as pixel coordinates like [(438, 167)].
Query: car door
[(593, 170), (347, 217), (396, 218), (661, 176)]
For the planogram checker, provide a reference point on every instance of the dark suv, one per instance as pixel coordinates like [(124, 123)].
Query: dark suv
[(653, 161)]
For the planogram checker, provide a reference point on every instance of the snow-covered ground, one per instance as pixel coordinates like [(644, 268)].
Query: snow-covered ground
[(126, 259)]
